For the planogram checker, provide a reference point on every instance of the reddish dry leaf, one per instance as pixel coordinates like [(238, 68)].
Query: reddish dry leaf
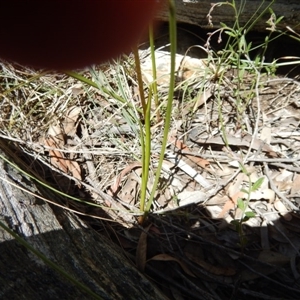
[(74, 169), (129, 191), (56, 140), (58, 160), (167, 257), (114, 188), (141, 250), (155, 230), (69, 123), (56, 157), (232, 201), (203, 163), (230, 204)]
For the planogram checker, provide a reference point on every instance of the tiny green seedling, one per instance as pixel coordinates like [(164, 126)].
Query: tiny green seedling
[(243, 205)]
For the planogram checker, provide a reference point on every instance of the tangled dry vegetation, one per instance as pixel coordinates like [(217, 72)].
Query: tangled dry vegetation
[(226, 136)]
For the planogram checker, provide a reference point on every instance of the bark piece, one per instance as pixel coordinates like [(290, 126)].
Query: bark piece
[(67, 241)]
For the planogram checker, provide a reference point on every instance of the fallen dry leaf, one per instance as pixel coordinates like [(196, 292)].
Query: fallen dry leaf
[(230, 204), (129, 191), (245, 141), (115, 186), (74, 169), (167, 257), (295, 186), (141, 250), (56, 135), (266, 134), (77, 89), (273, 258), (203, 163), (180, 163), (56, 157), (70, 120), (190, 197)]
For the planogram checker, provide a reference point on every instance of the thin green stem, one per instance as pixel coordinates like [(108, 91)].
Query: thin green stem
[(146, 154), (139, 78), (145, 132), (153, 85), (172, 32)]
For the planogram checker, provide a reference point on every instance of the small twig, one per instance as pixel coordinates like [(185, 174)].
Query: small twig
[(250, 159), (257, 84), (275, 160), (179, 163), (222, 186), (286, 167)]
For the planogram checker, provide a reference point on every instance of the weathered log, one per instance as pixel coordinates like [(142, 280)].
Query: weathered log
[(195, 12), (67, 241)]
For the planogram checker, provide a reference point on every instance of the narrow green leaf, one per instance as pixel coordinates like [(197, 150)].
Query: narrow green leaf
[(230, 33), (257, 184), (223, 25), (241, 204), (279, 20), (244, 170), (245, 191), (250, 214)]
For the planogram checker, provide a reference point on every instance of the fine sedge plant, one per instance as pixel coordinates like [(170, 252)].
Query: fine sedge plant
[(144, 122)]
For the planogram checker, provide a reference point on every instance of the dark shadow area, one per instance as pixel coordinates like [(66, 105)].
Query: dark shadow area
[(222, 268), (82, 254)]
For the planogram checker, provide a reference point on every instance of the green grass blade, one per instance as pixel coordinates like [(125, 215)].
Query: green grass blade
[(173, 46)]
